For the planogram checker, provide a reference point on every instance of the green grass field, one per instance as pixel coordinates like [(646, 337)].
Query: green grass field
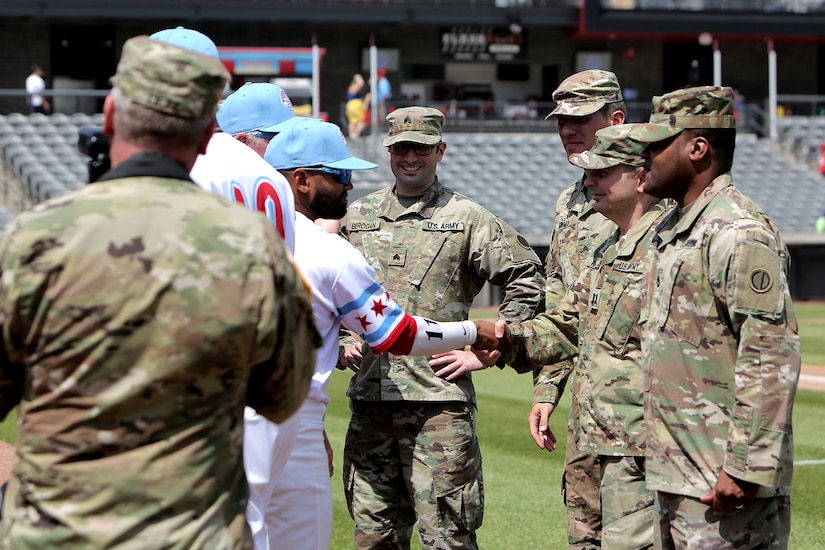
[(523, 507)]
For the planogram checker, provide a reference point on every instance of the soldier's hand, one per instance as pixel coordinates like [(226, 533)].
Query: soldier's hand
[(455, 363), (351, 358), (730, 495), (492, 337), (539, 421)]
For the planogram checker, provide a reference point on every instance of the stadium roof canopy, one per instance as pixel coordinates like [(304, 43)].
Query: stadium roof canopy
[(745, 19)]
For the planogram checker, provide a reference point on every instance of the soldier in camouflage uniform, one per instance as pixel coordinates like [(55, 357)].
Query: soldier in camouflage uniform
[(411, 451), (139, 315), (721, 345), (587, 101), (599, 315)]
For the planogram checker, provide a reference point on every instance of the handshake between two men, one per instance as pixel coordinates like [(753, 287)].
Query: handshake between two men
[(492, 341)]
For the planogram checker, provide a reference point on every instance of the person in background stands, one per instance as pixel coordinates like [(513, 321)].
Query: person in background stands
[(384, 93), (35, 84), (355, 107)]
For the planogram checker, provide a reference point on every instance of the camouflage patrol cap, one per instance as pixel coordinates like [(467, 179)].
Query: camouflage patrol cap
[(613, 146), (699, 107), (416, 124), (585, 92), (169, 79)]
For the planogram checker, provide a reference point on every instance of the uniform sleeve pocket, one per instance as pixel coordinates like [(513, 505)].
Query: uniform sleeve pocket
[(779, 358)]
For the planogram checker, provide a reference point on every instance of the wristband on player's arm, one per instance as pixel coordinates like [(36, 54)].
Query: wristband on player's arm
[(439, 337)]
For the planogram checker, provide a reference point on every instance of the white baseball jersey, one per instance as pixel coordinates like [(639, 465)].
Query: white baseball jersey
[(344, 291), (234, 171), (290, 499)]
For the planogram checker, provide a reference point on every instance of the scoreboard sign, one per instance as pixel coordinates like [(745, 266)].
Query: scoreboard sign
[(481, 44)]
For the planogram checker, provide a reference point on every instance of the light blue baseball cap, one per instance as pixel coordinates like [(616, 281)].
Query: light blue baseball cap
[(188, 39), (255, 106), (312, 142)]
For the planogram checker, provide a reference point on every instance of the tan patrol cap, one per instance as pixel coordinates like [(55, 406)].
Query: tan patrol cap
[(175, 81), (416, 124), (585, 92), (613, 146), (699, 107)]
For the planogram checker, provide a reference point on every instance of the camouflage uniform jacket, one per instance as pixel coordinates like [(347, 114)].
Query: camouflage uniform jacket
[(138, 317), (599, 316), (433, 258), (578, 229), (721, 348)]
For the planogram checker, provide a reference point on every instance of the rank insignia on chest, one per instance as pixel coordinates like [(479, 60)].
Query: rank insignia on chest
[(398, 256), (594, 302)]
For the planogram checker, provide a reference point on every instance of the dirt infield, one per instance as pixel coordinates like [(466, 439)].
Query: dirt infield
[(812, 378)]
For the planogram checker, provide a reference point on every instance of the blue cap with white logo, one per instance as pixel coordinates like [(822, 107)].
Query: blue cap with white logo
[(312, 142), (188, 39), (255, 106)]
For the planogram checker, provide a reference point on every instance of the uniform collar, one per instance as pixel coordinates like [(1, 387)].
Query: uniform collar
[(681, 220), (424, 207), (148, 163), (626, 247)]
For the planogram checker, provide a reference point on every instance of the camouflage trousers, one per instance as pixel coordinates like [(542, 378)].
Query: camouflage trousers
[(581, 482), (413, 461), (627, 505), (684, 522)]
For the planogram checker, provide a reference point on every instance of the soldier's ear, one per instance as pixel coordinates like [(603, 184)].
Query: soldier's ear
[(108, 115), (699, 149)]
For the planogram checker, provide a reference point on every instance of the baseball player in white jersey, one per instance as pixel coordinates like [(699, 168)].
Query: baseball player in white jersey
[(314, 157), (249, 118), (233, 168)]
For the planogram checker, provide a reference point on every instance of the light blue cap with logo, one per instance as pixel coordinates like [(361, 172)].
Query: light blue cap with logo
[(255, 106), (188, 39), (312, 142)]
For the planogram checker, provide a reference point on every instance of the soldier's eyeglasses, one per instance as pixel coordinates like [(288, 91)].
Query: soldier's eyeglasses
[(340, 175), (419, 149)]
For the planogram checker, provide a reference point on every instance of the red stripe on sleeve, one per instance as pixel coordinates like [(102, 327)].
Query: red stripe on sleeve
[(400, 341)]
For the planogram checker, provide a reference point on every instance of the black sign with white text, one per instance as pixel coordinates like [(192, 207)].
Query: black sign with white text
[(482, 43)]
